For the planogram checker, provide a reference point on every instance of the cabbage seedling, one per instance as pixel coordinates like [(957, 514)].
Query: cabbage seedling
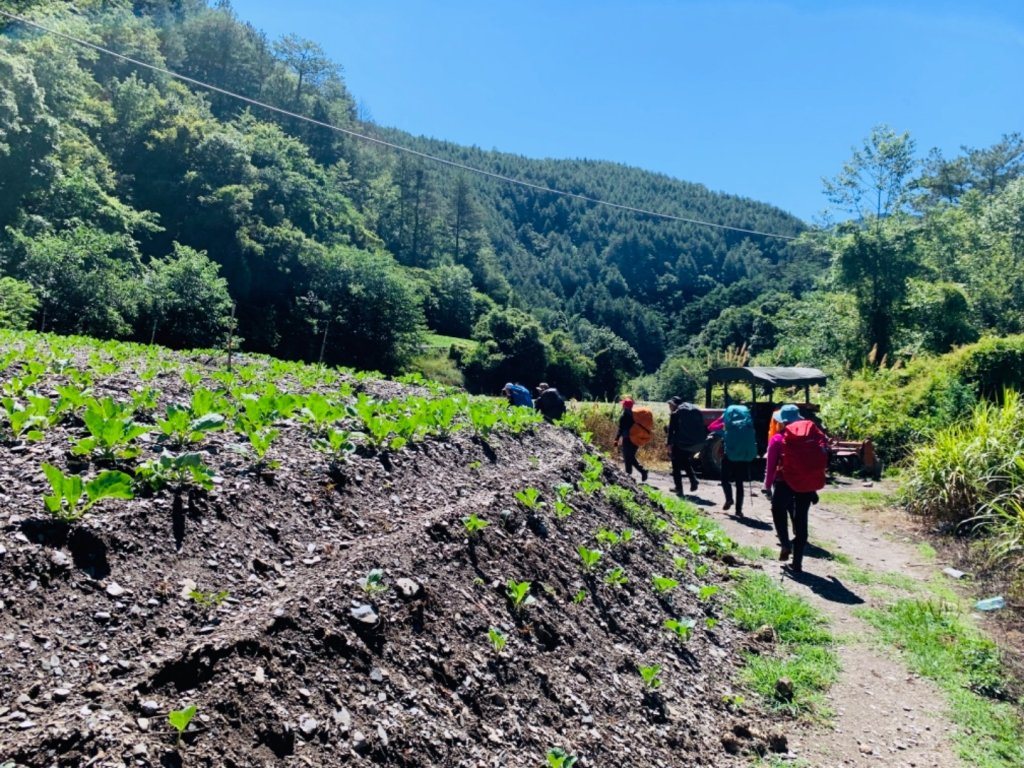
[(519, 593), (474, 525), (650, 676), (529, 498), (707, 592), (681, 629), (663, 584), (616, 577), (209, 600), (580, 596), (562, 510), (590, 557), (497, 639), (68, 489), (558, 758), (180, 718), (373, 582)]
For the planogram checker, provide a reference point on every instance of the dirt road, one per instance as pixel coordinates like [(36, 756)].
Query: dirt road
[(884, 715)]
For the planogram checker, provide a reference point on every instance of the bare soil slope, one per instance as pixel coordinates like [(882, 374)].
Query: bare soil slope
[(299, 665)]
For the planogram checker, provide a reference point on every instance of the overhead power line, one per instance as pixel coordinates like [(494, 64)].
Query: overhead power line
[(382, 142)]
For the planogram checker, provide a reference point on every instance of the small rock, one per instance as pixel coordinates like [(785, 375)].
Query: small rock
[(359, 743), (140, 750), (407, 587), (95, 689), (260, 677), (143, 723), (114, 589), (149, 707), (343, 719), (61, 694), (382, 735), (308, 725), (365, 614), (60, 560), (376, 675)]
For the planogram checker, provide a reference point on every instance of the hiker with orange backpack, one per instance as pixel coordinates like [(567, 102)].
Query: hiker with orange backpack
[(686, 435), (634, 431), (797, 460)]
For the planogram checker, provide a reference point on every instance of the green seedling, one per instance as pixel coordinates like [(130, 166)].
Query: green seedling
[(338, 444), (701, 570), (590, 557), (562, 490), (529, 498), (682, 629), (710, 623), (562, 510), (663, 584), (179, 472), (474, 465), (681, 563), (650, 675), (707, 592), (616, 577), (373, 582), (580, 596), (497, 639), (559, 758), (519, 593), (732, 700), (64, 502), (474, 525), (180, 427), (180, 718), (191, 378), (24, 421), (111, 431), (209, 600)]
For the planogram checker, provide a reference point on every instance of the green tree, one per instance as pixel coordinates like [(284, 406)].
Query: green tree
[(18, 303), (186, 303), (511, 348), (875, 182)]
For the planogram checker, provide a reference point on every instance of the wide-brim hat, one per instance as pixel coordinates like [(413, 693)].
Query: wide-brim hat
[(787, 414)]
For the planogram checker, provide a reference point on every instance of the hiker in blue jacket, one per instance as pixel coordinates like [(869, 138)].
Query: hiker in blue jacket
[(517, 394)]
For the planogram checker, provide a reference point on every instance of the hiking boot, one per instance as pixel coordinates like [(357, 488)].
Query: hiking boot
[(739, 511), (784, 553), (643, 475), (728, 504), (679, 490), (793, 568), (693, 486)]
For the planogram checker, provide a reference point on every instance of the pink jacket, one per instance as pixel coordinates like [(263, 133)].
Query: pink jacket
[(772, 458)]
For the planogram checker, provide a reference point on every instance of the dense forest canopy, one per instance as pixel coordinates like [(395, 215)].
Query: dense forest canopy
[(135, 205)]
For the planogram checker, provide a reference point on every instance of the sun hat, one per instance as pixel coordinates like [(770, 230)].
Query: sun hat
[(627, 403), (675, 400), (787, 414), (508, 386)]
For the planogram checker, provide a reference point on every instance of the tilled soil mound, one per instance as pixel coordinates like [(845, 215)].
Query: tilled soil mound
[(302, 662)]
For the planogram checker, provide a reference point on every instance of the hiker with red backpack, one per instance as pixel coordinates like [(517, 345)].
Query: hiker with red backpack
[(634, 432), (686, 436), (797, 460)]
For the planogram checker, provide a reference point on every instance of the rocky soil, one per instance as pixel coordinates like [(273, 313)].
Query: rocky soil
[(299, 664)]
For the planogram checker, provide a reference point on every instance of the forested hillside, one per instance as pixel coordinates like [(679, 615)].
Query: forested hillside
[(135, 205)]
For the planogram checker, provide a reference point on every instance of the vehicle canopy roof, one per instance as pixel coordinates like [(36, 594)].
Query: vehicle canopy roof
[(769, 377)]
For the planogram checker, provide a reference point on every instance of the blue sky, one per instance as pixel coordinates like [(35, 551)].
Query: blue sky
[(758, 99)]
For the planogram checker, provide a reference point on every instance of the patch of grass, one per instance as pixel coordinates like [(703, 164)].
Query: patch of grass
[(887, 578), (805, 652), (939, 644), (748, 552), (926, 551), (857, 499)]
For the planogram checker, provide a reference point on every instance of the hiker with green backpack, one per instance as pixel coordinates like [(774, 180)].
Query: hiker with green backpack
[(797, 461), (739, 449)]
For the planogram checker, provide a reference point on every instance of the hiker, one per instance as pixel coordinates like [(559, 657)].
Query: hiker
[(796, 463), (549, 402), (517, 394), (739, 449), (631, 436), (686, 436)]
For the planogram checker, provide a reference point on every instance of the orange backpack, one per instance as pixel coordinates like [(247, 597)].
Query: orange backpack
[(643, 427)]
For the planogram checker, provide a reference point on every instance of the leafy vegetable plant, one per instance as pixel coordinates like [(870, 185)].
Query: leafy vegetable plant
[(180, 718), (616, 577), (519, 593), (529, 498), (209, 600), (64, 503), (497, 639), (559, 758), (178, 471), (474, 524), (650, 675), (663, 584), (590, 557), (373, 582), (682, 629)]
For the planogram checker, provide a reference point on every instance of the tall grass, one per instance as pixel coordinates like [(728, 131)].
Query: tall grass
[(971, 468), (601, 420)]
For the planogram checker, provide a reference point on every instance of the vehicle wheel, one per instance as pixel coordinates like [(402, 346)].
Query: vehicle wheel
[(711, 458)]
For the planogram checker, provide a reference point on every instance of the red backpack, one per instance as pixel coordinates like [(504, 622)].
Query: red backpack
[(804, 456)]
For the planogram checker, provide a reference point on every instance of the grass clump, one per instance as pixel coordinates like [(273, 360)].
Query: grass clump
[(805, 646), (940, 645)]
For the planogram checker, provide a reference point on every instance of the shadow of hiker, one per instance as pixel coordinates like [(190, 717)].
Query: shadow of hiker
[(818, 553), (700, 502), (830, 588), (750, 522)]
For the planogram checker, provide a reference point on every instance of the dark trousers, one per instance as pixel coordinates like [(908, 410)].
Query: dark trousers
[(682, 461), (734, 473), (788, 504), (629, 456)]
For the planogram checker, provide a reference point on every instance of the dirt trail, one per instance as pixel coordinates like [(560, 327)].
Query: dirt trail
[(885, 715)]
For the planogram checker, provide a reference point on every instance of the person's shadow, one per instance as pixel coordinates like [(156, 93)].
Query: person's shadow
[(752, 522), (830, 588)]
